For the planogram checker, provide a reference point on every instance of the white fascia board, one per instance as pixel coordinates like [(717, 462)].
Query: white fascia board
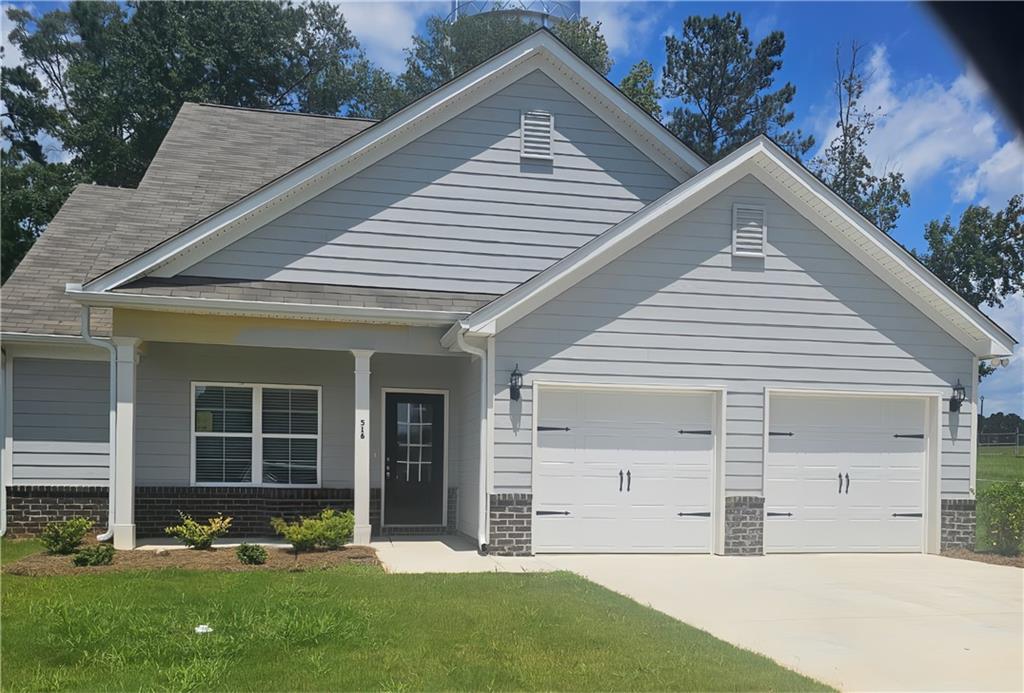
[(598, 252), (892, 251), (643, 224), (51, 346), (538, 51), (218, 306)]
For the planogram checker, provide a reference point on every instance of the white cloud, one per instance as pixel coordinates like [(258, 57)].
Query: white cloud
[(929, 128), (1004, 389), (385, 29), (626, 26)]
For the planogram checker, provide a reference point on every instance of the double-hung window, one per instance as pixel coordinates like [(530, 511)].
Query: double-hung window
[(253, 435)]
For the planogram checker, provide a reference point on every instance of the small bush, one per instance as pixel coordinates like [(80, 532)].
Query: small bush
[(251, 554), (64, 537), (197, 536), (329, 529), (1001, 507), (98, 554)]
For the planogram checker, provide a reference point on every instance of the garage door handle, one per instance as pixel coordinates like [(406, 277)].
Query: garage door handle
[(840, 483), (906, 514), (620, 481), (908, 435), (552, 512), (699, 432), (552, 428), (703, 514), (781, 433), (847, 484), (779, 514), (629, 480)]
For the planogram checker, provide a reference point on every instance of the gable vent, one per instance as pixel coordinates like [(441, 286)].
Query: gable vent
[(749, 231), (537, 130)]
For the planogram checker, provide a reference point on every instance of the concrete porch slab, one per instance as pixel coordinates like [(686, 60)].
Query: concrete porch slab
[(448, 554)]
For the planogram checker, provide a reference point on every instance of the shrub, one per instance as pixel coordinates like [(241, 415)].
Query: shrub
[(329, 529), (64, 537), (197, 536), (1001, 507), (98, 554), (251, 554)]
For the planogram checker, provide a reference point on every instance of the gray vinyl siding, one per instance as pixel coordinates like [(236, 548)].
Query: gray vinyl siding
[(457, 210), (679, 309), (61, 422), (163, 400)]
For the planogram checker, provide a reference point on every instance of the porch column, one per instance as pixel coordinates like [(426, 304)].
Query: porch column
[(361, 451), (124, 444)]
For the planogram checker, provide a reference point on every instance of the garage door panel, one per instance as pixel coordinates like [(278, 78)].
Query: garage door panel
[(634, 432), (846, 465)]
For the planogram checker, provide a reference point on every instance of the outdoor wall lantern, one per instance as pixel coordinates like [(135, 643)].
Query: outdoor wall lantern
[(958, 396), (515, 384)]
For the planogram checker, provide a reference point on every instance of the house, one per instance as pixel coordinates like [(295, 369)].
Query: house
[(517, 309)]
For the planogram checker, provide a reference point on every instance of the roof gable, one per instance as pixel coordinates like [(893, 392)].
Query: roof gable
[(540, 50), (763, 159)]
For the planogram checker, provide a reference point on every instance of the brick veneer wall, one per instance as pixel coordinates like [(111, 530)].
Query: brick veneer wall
[(959, 523), (156, 507), (744, 525), (511, 531), (30, 508)]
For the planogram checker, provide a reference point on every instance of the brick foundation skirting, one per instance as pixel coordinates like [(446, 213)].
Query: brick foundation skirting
[(959, 523), (744, 525), (31, 508), (511, 531)]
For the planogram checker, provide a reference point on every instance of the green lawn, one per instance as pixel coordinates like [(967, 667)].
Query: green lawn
[(995, 464), (356, 628)]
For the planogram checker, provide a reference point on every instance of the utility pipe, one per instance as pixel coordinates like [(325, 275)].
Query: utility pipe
[(481, 531), (108, 345)]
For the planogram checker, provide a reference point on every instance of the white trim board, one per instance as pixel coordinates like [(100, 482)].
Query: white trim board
[(766, 161), (539, 51)]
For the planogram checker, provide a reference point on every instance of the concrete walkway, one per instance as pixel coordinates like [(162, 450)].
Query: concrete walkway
[(857, 622), (448, 554)]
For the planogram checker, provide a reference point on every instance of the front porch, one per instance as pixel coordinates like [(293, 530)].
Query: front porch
[(256, 432)]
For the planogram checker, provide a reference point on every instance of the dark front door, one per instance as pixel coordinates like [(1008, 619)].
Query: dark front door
[(413, 459)]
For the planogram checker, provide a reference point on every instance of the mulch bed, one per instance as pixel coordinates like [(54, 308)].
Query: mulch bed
[(220, 559), (1016, 561)]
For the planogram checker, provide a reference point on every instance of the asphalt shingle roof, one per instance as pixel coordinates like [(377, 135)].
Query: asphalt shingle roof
[(210, 157), (309, 294)]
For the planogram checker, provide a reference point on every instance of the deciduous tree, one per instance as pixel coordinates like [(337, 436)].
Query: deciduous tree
[(638, 84)]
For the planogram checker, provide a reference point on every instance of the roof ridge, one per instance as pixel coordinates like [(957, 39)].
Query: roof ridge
[(207, 104)]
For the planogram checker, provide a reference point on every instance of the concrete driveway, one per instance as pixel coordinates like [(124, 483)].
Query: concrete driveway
[(856, 622)]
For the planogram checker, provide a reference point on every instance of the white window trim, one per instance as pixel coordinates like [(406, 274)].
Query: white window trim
[(764, 230), (257, 434)]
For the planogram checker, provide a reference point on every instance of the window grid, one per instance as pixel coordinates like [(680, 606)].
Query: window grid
[(257, 436), (411, 418)]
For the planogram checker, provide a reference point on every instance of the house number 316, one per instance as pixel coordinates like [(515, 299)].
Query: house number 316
[(362, 429)]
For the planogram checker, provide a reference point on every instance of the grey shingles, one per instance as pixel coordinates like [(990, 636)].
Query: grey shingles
[(211, 157), (318, 294)]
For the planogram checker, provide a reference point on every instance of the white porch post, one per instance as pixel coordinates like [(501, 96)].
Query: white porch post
[(361, 451), (124, 450)]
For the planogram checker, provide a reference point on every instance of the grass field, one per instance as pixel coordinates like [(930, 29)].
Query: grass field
[(355, 628), (995, 464)]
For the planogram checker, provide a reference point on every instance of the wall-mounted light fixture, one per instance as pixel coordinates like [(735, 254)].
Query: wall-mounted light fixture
[(958, 396), (515, 384)]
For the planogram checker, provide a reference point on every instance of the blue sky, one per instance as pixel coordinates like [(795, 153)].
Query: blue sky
[(941, 129)]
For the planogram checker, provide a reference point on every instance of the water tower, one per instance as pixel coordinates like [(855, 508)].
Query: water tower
[(539, 12)]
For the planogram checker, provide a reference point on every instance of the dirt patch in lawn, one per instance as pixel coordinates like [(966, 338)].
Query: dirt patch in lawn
[(221, 559), (995, 558)]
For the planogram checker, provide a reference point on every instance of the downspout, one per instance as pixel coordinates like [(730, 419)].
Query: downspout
[(108, 345), (481, 531), (3, 428)]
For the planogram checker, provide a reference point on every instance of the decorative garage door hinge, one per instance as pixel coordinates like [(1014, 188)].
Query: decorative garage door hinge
[(906, 514), (908, 435), (698, 432), (552, 512), (781, 433), (552, 428), (704, 514), (779, 514)]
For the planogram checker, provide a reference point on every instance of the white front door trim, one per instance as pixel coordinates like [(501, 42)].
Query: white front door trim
[(384, 392), (718, 429), (931, 527)]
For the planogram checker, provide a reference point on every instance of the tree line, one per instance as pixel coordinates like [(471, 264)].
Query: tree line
[(101, 82)]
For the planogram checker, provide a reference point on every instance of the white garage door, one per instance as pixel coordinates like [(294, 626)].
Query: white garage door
[(623, 471), (845, 473)]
